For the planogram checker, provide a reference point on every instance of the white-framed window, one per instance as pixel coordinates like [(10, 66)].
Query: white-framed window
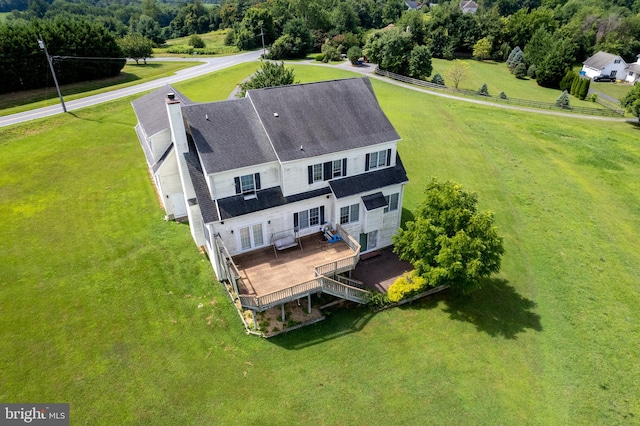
[(377, 159), (251, 236), (317, 172), (613, 73), (349, 214), (327, 170), (337, 168), (616, 61), (308, 218), (392, 202), (247, 183)]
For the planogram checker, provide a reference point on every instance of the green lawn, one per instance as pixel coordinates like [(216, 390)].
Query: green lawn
[(499, 79), (213, 40), (110, 308), (130, 75), (615, 90)]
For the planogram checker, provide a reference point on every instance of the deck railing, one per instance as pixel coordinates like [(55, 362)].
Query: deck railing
[(320, 284), (344, 291), (262, 303)]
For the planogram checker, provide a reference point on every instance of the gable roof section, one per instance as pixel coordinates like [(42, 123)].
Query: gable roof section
[(151, 109), (322, 118), (374, 201), (228, 135), (358, 184), (601, 59)]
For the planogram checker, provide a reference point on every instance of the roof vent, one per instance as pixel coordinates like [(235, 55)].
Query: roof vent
[(301, 148), (206, 117), (275, 114), (171, 96)]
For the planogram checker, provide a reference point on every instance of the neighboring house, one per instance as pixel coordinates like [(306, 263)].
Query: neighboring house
[(413, 5), (633, 71), (468, 6), (603, 63), (277, 165)]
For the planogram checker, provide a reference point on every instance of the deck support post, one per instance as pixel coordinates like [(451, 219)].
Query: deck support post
[(282, 308), (255, 322), (309, 302)]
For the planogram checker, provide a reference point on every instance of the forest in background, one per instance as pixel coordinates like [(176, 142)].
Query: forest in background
[(552, 34)]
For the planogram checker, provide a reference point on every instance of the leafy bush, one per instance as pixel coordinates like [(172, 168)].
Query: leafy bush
[(593, 97), (567, 81), (407, 285), (196, 41), (354, 54), (584, 88), (437, 79), (502, 95), (484, 91), (520, 71), (378, 300), (531, 72), (319, 57), (563, 100)]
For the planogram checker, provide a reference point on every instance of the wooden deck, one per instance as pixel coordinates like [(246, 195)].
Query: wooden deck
[(263, 273)]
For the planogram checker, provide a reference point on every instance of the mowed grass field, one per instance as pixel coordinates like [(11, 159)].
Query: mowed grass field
[(130, 75), (106, 306)]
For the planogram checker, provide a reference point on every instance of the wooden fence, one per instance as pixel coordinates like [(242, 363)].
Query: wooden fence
[(608, 112)]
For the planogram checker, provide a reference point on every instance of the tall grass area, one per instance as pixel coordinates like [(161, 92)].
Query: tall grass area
[(110, 308)]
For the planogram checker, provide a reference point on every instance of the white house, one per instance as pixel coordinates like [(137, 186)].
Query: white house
[(275, 166), (603, 63)]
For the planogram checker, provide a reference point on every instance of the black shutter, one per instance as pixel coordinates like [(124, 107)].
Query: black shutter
[(310, 170), (238, 189), (389, 157), (327, 170), (344, 167), (366, 163), (321, 215), (257, 178), (295, 220)]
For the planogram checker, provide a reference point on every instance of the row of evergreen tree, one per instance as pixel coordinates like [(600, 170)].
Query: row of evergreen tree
[(91, 52)]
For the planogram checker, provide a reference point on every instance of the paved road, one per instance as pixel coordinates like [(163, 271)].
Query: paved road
[(208, 65)]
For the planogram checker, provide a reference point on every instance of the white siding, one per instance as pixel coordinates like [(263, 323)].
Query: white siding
[(295, 174), (273, 221), (159, 143), (372, 220), (168, 181), (222, 185)]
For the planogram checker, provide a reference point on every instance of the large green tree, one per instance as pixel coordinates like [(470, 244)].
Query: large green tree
[(631, 101), (136, 46), (270, 74), (450, 242)]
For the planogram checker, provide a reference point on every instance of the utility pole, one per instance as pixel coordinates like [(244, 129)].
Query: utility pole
[(264, 51), (55, 80)]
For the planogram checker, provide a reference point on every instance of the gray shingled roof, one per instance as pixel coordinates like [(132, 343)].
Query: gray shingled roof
[(635, 67), (265, 199), (151, 109), (228, 135), (358, 184), (374, 201), (600, 60), (323, 117), (207, 206)]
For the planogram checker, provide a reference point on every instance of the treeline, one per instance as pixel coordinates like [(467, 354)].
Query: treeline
[(24, 66), (551, 34)]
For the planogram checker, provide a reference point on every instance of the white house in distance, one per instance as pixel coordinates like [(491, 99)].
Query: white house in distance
[(266, 170), (603, 63)]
